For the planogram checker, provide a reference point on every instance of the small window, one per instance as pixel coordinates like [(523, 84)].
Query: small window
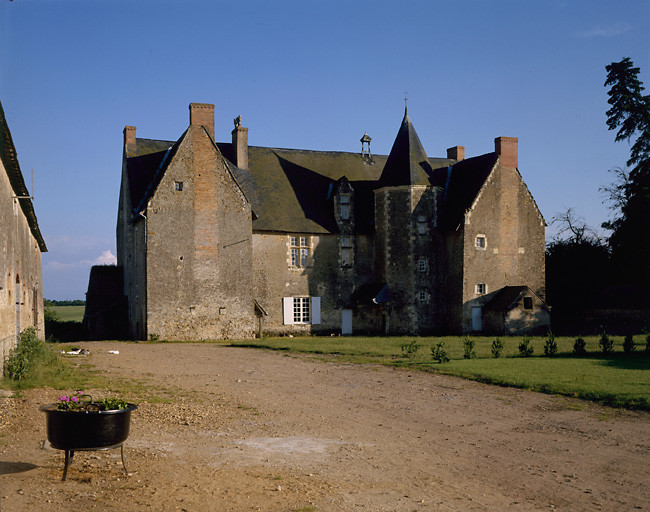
[(178, 186), (528, 303), (345, 199), (299, 250), (481, 242), (481, 289), (423, 296), (346, 251), (423, 264), (422, 225)]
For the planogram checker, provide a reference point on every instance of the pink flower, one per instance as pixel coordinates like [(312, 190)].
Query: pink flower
[(64, 398), (74, 399)]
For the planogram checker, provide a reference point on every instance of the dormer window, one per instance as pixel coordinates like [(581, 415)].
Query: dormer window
[(344, 207)]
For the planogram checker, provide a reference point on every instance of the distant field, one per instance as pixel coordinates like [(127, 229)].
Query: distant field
[(68, 313)]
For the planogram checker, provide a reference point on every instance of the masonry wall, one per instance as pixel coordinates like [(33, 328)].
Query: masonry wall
[(21, 291), (505, 213), (199, 249)]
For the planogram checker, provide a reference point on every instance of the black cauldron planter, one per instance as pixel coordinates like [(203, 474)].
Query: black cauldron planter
[(88, 429)]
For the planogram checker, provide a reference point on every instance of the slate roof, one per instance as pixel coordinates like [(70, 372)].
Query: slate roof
[(10, 162), (407, 162), (504, 298), (289, 189)]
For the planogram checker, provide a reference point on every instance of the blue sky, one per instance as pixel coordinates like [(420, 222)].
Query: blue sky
[(313, 75)]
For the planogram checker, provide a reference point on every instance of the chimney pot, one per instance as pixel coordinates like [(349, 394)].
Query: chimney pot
[(506, 147), (202, 114), (456, 153), (130, 145), (240, 144)]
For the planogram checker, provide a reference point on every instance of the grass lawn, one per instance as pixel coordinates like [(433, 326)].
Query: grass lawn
[(616, 379), (68, 313)]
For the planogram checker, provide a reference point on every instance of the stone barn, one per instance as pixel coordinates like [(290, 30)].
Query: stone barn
[(21, 245), (220, 240)]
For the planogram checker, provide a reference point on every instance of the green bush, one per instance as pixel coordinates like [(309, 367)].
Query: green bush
[(439, 353), (628, 344), (647, 341), (605, 343), (410, 350), (525, 348), (579, 347), (25, 356), (496, 348), (468, 348), (550, 346)]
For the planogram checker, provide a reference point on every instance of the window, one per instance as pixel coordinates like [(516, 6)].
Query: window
[(299, 246), (346, 251), (481, 289), (345, 211), (528, 303), (422, 225), (301, 310), (423, 296), (481, 242), (178, 186), (423, 264)]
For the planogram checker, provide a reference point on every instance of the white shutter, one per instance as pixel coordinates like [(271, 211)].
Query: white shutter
[(315, 310), (287, 310)]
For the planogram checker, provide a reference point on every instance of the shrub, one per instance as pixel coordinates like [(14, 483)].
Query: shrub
[(525, 348), (439, 353), (154, 337), (579, 347), (468, 348), (628, 344), (410, 349), (497, 347), (25, 356), (605, 343), (550, 346), (647, 340)]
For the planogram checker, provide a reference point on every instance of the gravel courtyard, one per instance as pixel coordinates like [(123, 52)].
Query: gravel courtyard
[(243, 429)]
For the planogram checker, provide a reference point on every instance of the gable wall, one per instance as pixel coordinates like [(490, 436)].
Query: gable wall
[(199, 256), (20, 257), (506, 214)]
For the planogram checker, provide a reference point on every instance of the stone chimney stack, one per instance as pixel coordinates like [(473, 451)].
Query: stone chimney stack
[(506, 147), (129, 141), (456, 153), (202, 114), (240, 144)]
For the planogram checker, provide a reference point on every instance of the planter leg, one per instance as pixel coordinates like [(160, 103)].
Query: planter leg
[(68, 460), (123, 465)]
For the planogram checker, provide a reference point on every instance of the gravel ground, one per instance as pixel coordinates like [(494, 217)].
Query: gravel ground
[(243, 429)]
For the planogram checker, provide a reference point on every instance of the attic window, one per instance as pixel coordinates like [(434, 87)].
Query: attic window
[(422, 224), (178, 186), (528, 303), (481, 242)]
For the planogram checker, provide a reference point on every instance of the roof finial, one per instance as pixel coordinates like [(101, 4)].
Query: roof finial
[(406, 98)]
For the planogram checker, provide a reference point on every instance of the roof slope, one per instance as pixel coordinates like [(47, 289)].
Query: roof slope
[(407, 162), (10, 162)]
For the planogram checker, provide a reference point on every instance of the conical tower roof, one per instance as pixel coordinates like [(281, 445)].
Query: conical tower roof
[(407, 162)]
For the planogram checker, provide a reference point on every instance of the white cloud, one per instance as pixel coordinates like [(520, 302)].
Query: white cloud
[(611, 31), (107, 258)]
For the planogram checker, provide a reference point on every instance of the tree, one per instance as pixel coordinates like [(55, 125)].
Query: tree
[(629, 195)]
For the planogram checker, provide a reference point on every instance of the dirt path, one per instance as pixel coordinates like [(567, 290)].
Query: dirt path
[(255, 430)]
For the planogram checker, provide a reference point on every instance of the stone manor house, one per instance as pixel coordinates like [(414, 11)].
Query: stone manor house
[(225, 240), (21, 245)]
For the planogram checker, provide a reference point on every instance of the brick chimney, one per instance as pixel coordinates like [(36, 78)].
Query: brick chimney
[(506, 147), (456, 153), (240, 144), (202, 114), (129, 141)]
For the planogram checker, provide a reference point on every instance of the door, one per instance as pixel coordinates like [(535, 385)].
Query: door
[(477, 319), (346, 321)]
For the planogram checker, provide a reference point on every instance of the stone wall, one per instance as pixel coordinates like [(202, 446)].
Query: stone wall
[(21, 291), (505, 214), (199, 259)]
